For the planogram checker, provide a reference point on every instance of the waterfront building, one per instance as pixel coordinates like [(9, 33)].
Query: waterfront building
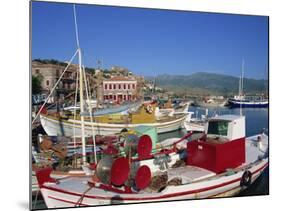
[(119, 89), (49, 74)]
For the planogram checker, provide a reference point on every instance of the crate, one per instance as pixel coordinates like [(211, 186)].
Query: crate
[(216, 157)]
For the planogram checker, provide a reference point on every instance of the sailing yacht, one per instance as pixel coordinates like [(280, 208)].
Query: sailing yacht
[(244, 101)]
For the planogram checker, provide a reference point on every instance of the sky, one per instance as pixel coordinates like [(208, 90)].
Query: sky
[(151, 42)]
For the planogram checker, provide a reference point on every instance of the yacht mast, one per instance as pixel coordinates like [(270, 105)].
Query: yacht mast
[(241, 87), (242, 77)]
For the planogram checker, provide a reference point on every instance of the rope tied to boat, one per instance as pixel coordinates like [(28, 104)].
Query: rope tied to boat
[(78, 203)]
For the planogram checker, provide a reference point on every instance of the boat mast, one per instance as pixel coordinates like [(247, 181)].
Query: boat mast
[(242, 77), (81, 93), (239, 92), (241, 87)]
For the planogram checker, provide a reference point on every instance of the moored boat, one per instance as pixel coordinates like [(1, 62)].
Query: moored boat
[(107, 124), (221, 164), (248, 102), (243, 101), (64, 154)]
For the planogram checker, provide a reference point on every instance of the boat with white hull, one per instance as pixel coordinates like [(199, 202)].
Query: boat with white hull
[(219, 186), (195, 124), (54, 127), (243, 101), (195, 181)]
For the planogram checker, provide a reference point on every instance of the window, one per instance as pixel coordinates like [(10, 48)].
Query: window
[(110, 86), (114, 86), (47, 82), (119, 86), (105, 86), (37, 71), (124, 86), (129, 86), (218, 128), (114, 97), (134, 86)]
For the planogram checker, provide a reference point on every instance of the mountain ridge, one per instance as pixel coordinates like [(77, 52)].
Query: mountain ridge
[(209, 83)]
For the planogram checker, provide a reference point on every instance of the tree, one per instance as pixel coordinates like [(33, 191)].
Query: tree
[(36, 84)]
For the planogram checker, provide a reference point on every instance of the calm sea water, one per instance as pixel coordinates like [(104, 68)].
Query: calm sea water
[(256, 121)]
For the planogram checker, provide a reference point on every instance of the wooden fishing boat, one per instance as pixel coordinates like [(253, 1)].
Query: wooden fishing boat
[(55, 124), (221, 164), (59, 152)]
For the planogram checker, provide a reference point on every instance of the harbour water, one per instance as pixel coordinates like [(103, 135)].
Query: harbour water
[(256, 121)]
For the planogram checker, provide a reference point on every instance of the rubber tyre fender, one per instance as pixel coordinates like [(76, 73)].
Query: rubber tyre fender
[(246, 179)]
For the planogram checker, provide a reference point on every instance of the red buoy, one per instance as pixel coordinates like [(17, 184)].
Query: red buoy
[(143, 177), (144, 147), (120, 171)]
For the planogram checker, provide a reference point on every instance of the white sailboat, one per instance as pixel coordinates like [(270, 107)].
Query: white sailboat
[(241, 100)]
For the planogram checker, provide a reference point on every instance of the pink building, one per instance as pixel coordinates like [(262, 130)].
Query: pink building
[(120, 89)]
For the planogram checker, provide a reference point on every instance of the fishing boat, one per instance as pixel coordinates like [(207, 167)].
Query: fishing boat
[(109, 109), (195, 123), (211, 103), (64, 154), (107, 124), (85, 123), (220, 164), (244, 101)]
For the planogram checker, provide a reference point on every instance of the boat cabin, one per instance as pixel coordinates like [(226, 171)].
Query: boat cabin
[(222, 148)]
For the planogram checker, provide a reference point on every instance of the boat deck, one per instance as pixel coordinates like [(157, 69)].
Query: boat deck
[(189, 174)]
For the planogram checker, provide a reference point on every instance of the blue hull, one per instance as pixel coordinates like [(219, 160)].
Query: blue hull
[(238, 104)]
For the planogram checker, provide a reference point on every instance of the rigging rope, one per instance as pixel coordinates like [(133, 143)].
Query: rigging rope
[(74, 116), (68, 64), (91, 116)]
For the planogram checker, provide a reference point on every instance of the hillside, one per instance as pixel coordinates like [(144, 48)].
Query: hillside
[(208, 83)]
